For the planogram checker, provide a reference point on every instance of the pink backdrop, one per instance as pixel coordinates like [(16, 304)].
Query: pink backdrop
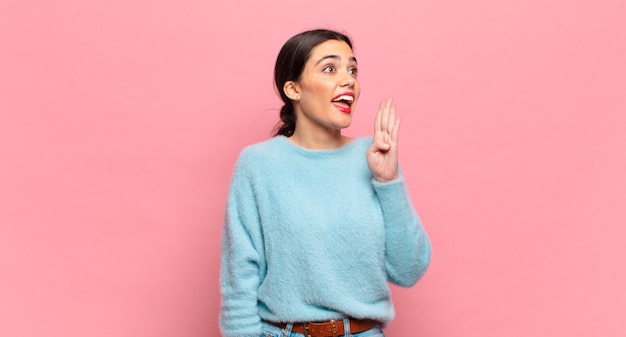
[(120, 122)]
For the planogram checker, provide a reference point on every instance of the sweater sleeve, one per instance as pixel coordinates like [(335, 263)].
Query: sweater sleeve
[(242, 258), (407, 247)]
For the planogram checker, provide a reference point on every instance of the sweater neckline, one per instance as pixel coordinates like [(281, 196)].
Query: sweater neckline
[(309, 152)]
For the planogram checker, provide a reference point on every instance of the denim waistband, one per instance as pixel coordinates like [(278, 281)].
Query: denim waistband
[(270, 330)]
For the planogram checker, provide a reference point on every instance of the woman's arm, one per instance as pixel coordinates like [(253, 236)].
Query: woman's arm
[(407, 247), (242, 258)]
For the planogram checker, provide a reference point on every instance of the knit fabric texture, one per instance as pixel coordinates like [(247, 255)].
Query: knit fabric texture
[(310, 236)]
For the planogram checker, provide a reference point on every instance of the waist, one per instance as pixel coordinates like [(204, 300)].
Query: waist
[(332, 328)]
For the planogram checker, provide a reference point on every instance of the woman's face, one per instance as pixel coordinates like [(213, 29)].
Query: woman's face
[(328, 88)]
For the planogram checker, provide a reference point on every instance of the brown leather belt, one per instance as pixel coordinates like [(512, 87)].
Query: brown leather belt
[(332, 328)]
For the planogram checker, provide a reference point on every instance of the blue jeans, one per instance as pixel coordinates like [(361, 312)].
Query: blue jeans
[(270, 330)]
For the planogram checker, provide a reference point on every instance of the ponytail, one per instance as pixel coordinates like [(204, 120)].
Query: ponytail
[(287, 125)]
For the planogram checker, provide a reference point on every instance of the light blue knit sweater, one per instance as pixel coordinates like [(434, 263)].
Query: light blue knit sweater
[(310, 236)]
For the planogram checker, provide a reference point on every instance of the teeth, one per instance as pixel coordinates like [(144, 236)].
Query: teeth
[(345, 98)]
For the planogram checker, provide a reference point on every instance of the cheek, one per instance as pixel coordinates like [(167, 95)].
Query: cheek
[(317, 96)]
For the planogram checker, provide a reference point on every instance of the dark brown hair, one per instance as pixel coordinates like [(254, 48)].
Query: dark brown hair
[(289, 66)]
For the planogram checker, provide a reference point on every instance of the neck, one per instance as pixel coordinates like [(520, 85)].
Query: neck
[(318, 140)]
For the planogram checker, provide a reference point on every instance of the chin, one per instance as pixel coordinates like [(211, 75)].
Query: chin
[(344, 124)]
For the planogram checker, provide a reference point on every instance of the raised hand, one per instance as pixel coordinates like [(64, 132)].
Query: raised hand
[(382, 155)]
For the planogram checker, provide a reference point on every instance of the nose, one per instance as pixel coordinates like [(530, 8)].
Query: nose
[(348, 81)]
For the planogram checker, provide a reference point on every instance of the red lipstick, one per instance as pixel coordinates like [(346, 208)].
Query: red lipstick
[(343, 102)]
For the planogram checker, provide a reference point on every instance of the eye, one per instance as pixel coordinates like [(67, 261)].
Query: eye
[(354, 71), (329, 69)]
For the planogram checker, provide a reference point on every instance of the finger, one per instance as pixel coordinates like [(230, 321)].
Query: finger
[(391, 119), (378, 120), (385, 114), (395, 130)]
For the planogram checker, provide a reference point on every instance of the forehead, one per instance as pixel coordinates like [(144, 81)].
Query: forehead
[(331, 47)]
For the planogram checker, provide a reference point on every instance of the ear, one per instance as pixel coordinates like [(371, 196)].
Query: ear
[(292, 90)]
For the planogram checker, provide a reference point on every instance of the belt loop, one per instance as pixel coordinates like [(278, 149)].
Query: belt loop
[(287, 330), (306, 329), (346, 327)]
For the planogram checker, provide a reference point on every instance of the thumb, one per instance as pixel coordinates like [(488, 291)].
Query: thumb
[(380, 145)]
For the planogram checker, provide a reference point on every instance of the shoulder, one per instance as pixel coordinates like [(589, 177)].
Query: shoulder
[(266, 147), (261, 151), (363, 141), (360, 143)]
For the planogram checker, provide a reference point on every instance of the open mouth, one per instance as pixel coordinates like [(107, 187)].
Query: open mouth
[(343, 102)]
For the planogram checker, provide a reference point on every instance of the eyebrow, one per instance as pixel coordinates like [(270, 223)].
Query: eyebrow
[(352, 58)]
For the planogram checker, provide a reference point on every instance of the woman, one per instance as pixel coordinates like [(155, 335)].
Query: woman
[(316, 222)]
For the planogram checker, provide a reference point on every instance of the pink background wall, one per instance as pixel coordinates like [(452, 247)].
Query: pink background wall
[(120, 122)]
